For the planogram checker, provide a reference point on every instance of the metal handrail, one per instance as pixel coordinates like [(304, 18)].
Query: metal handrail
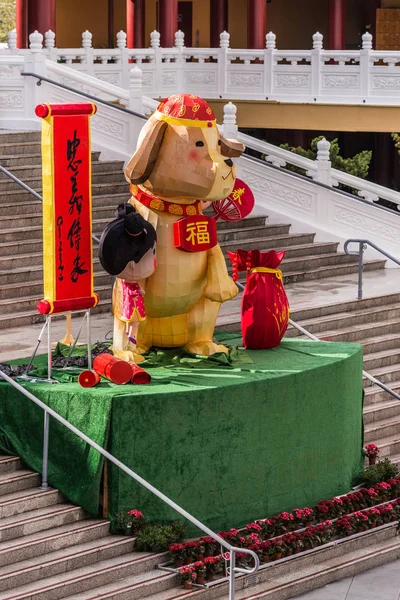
[(80, 93), (317, 339), (50, 412), (365, 374), (362, 245), (320, 184)]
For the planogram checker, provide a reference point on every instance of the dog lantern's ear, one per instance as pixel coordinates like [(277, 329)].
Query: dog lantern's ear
[(141, 164), (231, 148)]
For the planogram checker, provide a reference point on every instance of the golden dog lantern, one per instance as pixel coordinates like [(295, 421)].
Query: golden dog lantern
[(181, 161)]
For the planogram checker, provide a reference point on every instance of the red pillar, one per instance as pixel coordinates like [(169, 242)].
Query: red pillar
[(130, 12), (41, 16), (168, 20), (337, 24), (256, 23), (138, 24), (21, 20), (218, 21)]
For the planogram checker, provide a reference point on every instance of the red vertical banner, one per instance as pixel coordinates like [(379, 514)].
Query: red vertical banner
[(67, 207)]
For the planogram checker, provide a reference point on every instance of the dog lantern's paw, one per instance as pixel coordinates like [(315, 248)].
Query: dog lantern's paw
[(206, 348), (129, 356), (221, 291)]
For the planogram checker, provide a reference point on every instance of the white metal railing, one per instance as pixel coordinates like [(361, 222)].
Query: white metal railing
[(363, 76), (49, 412)]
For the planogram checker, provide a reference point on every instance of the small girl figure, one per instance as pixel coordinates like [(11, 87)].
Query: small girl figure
[(128, 251)]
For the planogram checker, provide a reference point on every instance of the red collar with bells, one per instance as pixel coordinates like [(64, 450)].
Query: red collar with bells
[(193, 233)]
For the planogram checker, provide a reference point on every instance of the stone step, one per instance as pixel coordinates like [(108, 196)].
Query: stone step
[(18, 480), (32, 317), (35, 272), (251, 222), (382, 429), (374, 394), (34, 172), (62, 561), (140, 569), (26, 500), (19, 148), (381, 411), (312, 312), (290, 577), (11, 161), (101, 177), (29, 232), (380, 342), (359, 332), (10, 464), (270, 235), (15, 137), (40, 519), (52, 540), (13, 305), (389, 445), (384, 358), (323, 272), (341, 320), (386, 374), (20, 194)]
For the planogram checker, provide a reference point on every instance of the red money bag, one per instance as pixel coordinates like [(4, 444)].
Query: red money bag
[(265, 307)]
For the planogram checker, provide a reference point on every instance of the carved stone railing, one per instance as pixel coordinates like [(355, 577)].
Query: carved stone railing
[(362, 76)]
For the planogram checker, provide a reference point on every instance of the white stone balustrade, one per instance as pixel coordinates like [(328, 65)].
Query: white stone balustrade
[(363, 76)]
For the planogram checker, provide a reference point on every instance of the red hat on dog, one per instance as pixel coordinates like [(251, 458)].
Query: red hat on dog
[(187, 110)]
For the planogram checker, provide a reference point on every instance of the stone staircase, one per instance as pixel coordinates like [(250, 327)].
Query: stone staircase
[(50, 549), (21, 271)]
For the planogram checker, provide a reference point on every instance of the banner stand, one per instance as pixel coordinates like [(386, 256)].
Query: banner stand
[(47, 325)]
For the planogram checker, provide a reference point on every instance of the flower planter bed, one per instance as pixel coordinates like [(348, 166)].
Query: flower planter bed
[(288, 534)]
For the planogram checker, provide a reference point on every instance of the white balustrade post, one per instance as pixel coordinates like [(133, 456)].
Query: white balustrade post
[(135, 90), (230, 128), (87, 47), (35, 63), (12, 41), (157, 60), (365, 57), (123, 58), (323, 161), (269, 63), (50, 45), (316, 64), (180, 61), (223, 63)]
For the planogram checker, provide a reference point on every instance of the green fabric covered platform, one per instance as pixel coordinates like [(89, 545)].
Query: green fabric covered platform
[(230, 443)]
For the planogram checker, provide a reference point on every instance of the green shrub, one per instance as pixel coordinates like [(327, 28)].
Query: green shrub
[(358, 165), (382, 471), (158, 538)]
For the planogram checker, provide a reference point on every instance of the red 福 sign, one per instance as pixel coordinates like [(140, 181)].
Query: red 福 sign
[(195, 233)]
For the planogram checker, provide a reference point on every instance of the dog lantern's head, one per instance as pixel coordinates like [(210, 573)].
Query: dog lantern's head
[(181, 155)]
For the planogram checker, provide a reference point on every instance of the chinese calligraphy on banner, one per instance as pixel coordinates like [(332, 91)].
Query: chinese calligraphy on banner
[(195, 234), (67, 207)]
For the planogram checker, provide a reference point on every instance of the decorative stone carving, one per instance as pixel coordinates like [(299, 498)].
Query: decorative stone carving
[(366, 224), (169, 78), (292, 81), (386, 82), (11, 99), (200, 78), (108, 127), (278, 190), (114, 79), (340, 81), (245, 79), (147, 78)]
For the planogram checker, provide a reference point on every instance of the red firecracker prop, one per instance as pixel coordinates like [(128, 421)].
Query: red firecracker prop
[(88, 379), (116, 370), (139, 375), (265, 307)]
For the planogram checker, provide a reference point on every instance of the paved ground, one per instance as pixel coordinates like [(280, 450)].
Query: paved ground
[(381, 583), (20, 341)]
